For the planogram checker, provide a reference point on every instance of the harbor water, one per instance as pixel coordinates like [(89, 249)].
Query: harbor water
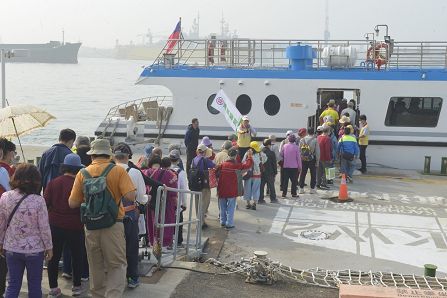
[(78, 95)]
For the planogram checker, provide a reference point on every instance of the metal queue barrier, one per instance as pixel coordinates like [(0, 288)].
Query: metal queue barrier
[(162, 194)]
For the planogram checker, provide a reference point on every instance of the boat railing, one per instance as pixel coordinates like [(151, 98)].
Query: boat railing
[(266, 53), (142, 109)]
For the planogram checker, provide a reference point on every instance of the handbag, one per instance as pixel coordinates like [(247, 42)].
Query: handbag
[(330, 173), (248, 174), (347, 156), (212, 178), (153, 201)]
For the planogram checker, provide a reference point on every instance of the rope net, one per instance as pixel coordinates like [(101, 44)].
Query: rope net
[(259, 270)]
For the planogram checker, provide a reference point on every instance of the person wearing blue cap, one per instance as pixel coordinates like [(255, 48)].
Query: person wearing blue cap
[(65, 224), (148, 150)]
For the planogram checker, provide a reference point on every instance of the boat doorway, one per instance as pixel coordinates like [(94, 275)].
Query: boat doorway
[(339, 95)]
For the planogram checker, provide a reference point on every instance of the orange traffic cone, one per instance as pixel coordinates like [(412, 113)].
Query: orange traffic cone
[(343, 192)]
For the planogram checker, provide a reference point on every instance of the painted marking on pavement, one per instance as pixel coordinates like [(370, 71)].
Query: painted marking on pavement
[(409, 239)]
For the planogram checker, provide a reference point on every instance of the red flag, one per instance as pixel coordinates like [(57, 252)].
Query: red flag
[(173, 38)]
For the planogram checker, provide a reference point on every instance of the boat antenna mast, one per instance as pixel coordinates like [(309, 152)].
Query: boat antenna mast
[(224, 28), (327, 34)]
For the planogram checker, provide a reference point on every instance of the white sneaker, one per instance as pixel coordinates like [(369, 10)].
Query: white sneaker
[(301, 191), (312, 191)]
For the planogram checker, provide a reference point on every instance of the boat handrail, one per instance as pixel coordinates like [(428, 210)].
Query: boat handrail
[(138, 107), (271, 53)]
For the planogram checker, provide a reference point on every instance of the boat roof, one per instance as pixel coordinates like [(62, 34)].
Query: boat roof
[(255, 58)]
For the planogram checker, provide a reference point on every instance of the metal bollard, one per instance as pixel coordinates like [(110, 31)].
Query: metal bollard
[(427, 163), (444, 166), (430, 270)]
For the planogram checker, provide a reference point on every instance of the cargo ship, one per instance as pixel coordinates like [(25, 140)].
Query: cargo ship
[(51, 52)]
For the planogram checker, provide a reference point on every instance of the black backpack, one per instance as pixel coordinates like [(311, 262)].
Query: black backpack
[(198, 178)]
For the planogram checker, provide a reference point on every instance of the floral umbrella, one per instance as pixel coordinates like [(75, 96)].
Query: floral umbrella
[(19, 120)]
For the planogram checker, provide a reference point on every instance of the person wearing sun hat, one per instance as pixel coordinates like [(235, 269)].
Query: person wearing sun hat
[(245, 132), (65, 224), (106, 256), (207, 142), (344, 121), (202, 163), (252, 185)]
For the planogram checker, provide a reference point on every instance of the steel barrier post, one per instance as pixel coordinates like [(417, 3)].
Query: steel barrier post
[(177, 218), (191, 203), (162, 224), (160, 208), (444, 165), (199, 224), (427, 162)]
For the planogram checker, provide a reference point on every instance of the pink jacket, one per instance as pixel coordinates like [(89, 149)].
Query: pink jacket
[(29, 230), (291, 156)]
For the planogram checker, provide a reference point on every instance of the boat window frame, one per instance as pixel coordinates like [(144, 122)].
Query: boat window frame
[(408, 118), (209, 101), (277, 102), (239, 100)]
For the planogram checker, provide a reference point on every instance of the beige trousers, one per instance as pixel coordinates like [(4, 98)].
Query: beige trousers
[(206, 198), (106, 254)]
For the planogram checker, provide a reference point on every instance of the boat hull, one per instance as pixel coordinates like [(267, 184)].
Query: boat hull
[(399, 147), (52, 52)]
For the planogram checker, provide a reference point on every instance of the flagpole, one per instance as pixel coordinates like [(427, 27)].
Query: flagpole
[(179, 36)]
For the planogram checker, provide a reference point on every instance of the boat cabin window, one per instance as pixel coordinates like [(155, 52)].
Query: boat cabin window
[(413, 111), (243, 104), (272, 105), (208, 105)]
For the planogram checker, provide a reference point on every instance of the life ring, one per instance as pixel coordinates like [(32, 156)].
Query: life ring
[(378, 54)]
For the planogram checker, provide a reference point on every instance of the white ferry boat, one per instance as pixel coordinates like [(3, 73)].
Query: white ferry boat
[(285, 84)]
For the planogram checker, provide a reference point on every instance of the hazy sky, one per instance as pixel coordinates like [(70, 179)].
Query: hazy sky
[(99, 23)]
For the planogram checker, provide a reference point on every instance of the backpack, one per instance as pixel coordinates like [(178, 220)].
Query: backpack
[(100, 209), (198, 179), (177, 171), (261, 164), (306, 151), (153, 200)]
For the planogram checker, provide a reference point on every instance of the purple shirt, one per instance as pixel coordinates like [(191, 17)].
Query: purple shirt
[(205, 165), (29, 230), (291, 156)]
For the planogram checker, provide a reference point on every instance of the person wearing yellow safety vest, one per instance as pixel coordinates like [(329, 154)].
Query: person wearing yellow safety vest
[(348, 150), (244, 134), (363, 141)]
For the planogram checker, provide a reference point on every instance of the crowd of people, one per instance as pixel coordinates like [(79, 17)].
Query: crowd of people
[(84, 202)]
